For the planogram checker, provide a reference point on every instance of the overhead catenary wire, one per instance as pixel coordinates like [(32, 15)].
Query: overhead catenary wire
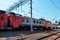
[(55, 4), (18, 4)]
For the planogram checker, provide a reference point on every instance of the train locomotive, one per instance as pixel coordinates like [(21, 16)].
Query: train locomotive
[(14, 21)]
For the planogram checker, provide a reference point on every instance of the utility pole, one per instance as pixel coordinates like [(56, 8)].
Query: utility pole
[(31, 28)]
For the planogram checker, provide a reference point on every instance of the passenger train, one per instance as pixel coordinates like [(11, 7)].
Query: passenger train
[(15, 21)]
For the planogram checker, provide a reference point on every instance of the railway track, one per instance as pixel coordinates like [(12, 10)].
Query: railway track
[(54, 36), (44, 36), (36, 35)]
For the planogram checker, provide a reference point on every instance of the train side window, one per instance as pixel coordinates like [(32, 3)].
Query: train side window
[(39, 22), (27, 21), (34, 21), (23, 20)]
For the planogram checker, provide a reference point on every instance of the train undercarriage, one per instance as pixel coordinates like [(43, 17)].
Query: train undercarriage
[(26, 28)]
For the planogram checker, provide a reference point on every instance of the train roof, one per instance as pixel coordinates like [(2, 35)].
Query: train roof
[(12, 13), (19, 15), (15, 14), (42, 19), (2, 11)]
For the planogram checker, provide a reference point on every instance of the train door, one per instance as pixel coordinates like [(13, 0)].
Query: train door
[(15, 21)]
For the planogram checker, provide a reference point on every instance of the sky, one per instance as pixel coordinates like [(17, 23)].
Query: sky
[(46, 9)]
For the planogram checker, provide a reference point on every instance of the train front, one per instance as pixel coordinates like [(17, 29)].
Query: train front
[(3, 19), (48, 25)]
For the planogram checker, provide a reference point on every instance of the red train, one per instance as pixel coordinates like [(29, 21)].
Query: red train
[(14, 21)]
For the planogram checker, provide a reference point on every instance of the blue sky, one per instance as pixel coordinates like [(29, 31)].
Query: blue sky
[(47, 9)]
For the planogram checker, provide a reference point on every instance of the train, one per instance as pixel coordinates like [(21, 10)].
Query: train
[(12, 20)]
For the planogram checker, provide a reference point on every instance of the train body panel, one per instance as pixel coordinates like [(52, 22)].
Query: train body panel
[(35, 22), (14, 21)]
